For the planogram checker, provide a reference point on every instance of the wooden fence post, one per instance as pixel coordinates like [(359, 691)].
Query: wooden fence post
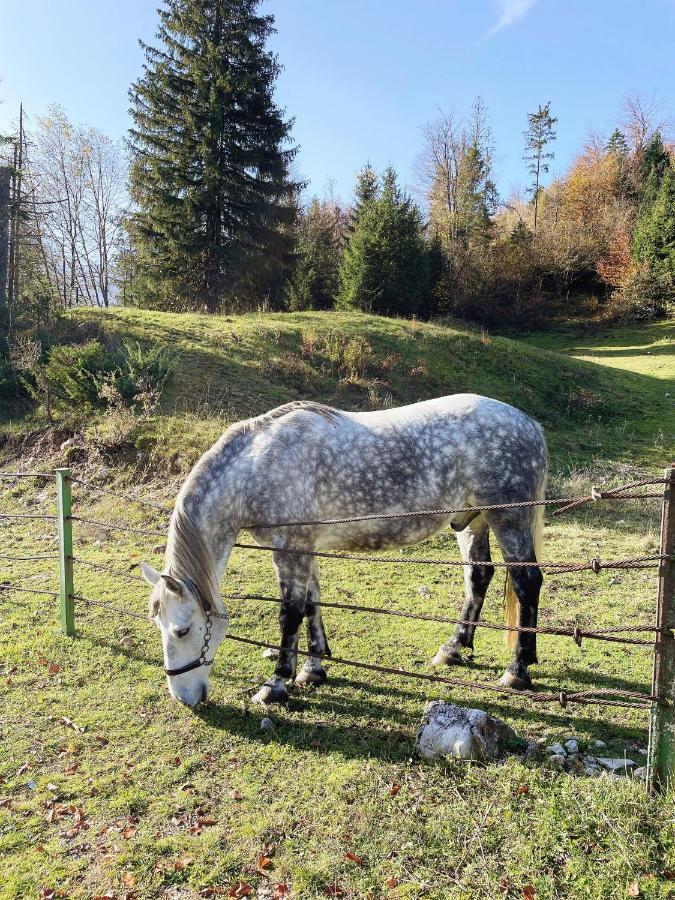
[(64, 512), (661, 758)]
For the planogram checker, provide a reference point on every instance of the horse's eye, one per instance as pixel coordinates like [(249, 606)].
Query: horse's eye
[(182, 632)]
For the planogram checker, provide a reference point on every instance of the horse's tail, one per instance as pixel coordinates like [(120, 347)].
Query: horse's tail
[(511, 606)]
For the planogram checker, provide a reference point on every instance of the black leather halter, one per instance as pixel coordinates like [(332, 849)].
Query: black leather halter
[(208, 613)]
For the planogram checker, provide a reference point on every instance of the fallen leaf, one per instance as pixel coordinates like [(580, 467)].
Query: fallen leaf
[(206, 821), (71, 768), (176, 760), (334, 890), (236, 795), (54, 668), (264, 862), (504, 886), (352, 857), (101, 739), (280, 890), (128, 832), (394, 788), (529, 892), (182, 863), (523, 789), (239, 889), (211, 891), (633, 889), (392, 882), (129, 879)]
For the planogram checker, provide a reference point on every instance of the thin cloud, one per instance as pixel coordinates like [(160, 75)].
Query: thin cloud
[(511, 11)]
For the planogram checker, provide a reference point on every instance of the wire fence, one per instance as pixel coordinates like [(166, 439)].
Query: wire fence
[(615, 634)]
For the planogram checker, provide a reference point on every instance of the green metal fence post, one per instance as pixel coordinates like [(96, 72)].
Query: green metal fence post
[(64, 513), (661, 758)]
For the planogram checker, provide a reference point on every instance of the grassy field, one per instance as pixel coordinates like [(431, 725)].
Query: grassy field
[(110, 789)]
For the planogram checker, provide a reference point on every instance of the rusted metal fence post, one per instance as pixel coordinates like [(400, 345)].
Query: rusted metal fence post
[(661, 764), (65, 525)]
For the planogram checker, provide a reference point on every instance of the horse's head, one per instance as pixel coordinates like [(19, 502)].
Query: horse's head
[(191, 632)]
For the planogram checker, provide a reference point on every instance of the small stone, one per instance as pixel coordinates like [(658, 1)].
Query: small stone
[(558, 759), (642, 750), (159, 548), (557, 749), (267, 724), (640, 772), (270, 653), (68, 443), (613, 581), (600, 745), (126, 642), (31, 785), (424, 591), (592, 771), (572, 746), (613, 764), (531, 750), (102, 473), (100, 536)]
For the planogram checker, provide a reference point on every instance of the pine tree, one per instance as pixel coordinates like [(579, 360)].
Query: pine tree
[(654, 238), (210, 155), (385, 265), (366, 190), (316, 280), (617, 145), (538, 136)]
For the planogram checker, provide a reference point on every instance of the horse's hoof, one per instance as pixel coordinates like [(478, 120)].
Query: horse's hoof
[(448, 658), (515, 682), (270, 693), (315, 675)]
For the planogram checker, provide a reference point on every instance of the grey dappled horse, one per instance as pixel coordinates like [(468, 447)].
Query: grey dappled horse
[(307, 462)]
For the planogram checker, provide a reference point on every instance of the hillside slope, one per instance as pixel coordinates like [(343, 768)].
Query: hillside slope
[(232, 368)]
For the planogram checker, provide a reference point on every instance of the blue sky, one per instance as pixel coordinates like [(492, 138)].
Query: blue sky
[(361, 76)]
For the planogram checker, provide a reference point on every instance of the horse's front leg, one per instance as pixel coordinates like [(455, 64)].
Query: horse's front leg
[(312, 671), (293, 574)]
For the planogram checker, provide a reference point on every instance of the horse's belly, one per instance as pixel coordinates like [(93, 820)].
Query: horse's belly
[(379, 534)]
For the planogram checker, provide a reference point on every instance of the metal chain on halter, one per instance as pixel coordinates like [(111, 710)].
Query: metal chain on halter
[(207, 640)]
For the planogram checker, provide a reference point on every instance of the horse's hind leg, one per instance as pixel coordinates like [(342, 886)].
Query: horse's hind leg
[(293, 574), (516, 540), (312, 671), (474, 544)]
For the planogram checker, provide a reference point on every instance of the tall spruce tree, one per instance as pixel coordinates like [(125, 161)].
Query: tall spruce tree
[(540, 133), (654, 238), (385, 267), (210, 153)]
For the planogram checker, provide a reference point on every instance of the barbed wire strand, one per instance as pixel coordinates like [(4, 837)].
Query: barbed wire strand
[(576, 633), (24, 558), (5, 586), (598, 696), (27, 516), (124, 496), (595, 565), (27, 475)]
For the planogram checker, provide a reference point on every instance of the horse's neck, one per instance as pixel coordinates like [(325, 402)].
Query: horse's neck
[(210, 519)]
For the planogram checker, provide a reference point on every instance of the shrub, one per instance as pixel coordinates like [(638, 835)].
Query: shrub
[(646, 294)]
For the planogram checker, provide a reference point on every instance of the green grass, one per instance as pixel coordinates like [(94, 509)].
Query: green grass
[(145, 770)]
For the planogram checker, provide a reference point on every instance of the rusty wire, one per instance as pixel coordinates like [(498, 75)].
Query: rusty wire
[(595, 565), (614, 494), (25, 516), (27, 475), (598, 696), (23, 558), (5, 586), (577, 633), (131, 497)]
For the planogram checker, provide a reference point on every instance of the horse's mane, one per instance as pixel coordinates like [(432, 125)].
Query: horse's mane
[(189, 556)]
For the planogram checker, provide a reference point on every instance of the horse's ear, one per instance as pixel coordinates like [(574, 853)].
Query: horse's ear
[(150, 574), (173, 585)]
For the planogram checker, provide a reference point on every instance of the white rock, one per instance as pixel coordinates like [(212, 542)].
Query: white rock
[(452, 731), (613, 764), (270, 653), (557, 749), (558, 759), (267, 724), (572, 746), (642, 750), (68, 443), (640, 772), (599, 744)]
